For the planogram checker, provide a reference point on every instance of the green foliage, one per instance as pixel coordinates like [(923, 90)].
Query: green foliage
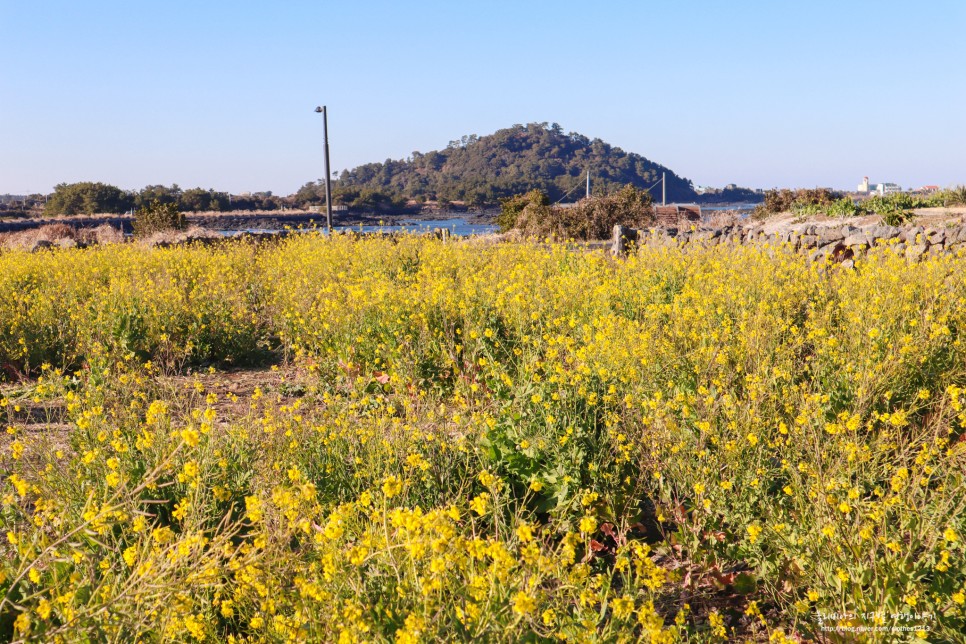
[(937, 199), (955, 196), (807, 209), (843, 207), (368, 199), (363, 198), (159, 193), (896, 217), (197, 199), (592, 218), (728, 195), (87, 198), (902, 201), (158, 217), (482, 170), (511, 207), (895, 209), (313, 193)]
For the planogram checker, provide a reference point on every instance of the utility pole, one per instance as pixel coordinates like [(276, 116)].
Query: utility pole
[(328, 173), (588, 183), (664, 188)]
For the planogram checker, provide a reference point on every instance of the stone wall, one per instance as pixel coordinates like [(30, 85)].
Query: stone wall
[(820, 241)]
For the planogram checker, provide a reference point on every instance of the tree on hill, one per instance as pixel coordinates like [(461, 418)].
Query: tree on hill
[(87, 197), (481, 170)]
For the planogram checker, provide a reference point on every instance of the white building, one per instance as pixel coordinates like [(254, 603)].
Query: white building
[(887, 188), (880, 188)]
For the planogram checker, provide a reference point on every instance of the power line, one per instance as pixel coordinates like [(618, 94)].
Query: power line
[(648, 189), (567, 194)]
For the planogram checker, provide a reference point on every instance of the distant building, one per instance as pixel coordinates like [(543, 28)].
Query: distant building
[(927, 189), (336, 207), (887, 188), (866, 188)]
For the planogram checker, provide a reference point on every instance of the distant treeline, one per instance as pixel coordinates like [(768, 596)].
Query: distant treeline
[(89, 197), (21, 205)]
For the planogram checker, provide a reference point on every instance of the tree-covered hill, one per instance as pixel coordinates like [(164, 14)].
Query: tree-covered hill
[(479, 170)]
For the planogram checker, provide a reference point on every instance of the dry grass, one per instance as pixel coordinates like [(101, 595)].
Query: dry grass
[(52, 233), (949, 214), (489, 239), (723, 218), (61, 235), (170, 237), (103, 234)]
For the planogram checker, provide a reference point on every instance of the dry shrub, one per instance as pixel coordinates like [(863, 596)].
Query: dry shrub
[(723, 218), (511, 207), (60, 233), (103, 234), (589, 219), (158, 217), (785, 200), (171, 237), (26, 239)]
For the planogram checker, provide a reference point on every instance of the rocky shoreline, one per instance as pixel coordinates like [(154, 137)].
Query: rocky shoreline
[(259, 220)]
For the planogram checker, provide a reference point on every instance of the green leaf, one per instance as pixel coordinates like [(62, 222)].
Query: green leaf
[(745, 583)]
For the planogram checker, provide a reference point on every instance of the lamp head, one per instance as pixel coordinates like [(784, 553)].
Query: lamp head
[(318, 109)]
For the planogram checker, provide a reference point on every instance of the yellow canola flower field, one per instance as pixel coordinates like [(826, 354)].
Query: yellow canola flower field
[(512, 442)]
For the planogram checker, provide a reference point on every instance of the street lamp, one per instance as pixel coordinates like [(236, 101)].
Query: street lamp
[(328, 174)]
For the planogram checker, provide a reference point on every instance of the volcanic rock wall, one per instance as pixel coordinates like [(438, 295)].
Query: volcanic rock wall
[(820, 241)]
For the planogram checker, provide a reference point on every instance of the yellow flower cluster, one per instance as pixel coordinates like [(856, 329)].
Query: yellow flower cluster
[(496, 443)]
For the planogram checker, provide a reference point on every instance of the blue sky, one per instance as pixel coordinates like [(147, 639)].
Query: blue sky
[(221, 94)]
